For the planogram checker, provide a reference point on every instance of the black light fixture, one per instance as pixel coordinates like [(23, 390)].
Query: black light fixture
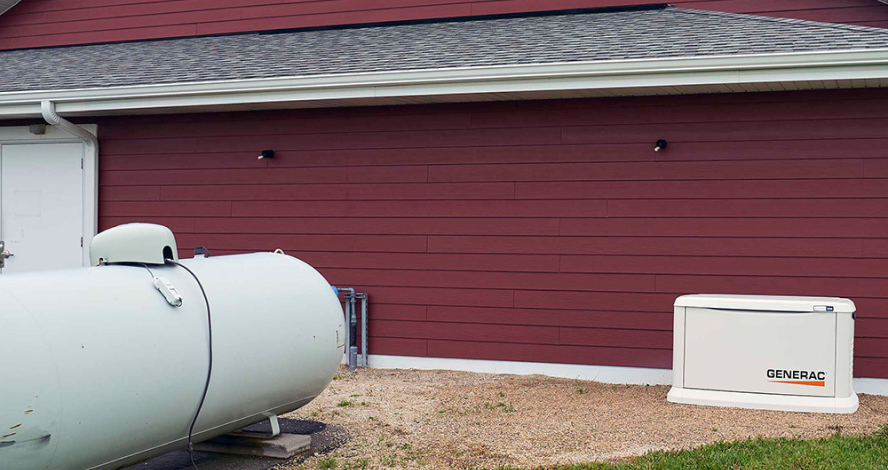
[(661, 144), (266, 154)]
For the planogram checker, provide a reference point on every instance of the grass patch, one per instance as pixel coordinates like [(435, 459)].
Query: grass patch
[(507, 407), (357, 464), (836, 452), (344, 403)]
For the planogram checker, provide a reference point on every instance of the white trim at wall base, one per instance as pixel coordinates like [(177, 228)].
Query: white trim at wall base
[(605, 374), (871, 386)]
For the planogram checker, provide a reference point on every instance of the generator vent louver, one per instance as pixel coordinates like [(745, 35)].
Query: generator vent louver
[(851, 364)]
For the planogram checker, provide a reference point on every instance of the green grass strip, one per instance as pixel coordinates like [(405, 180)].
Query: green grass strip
[(837, 452)]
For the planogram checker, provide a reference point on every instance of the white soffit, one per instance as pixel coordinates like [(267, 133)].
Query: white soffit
[(693, 75)]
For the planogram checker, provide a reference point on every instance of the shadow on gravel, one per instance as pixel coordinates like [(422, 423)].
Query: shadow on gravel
[(323, 439)]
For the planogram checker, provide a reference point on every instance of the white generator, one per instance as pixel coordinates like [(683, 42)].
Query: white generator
[(764, 352)]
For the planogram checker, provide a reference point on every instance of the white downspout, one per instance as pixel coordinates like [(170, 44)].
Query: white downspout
[(90, 173), (52, 118)]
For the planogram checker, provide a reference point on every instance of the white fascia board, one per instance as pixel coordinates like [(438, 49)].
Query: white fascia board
[(596, 75)]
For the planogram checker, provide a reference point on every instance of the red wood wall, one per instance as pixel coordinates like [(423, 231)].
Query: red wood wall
[(535, 231), (39, 23)]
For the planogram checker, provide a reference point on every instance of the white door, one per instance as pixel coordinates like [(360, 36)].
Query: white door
[(41, 205)]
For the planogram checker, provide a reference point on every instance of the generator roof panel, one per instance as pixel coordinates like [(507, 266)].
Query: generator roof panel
[(772, 303), (663, 32)]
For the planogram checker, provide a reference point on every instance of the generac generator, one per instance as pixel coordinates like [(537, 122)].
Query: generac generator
[(764, 352)]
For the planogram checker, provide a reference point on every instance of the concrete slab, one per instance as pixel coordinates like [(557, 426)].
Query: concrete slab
[(282, 446)]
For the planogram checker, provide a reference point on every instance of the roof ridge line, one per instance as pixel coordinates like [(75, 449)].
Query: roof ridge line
[(774, 19)]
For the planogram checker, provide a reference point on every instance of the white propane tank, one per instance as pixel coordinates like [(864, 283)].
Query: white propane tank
[(100, 371)]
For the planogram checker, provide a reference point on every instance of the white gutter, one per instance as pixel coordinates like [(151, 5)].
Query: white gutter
[(382, 86)]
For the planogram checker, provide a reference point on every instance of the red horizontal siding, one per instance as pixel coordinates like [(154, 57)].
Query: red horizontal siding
[(535, 231), (41, 23), (382, 225), (650, 246), (701, 170)]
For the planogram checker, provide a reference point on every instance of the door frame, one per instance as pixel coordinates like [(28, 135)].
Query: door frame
[(90, 201)]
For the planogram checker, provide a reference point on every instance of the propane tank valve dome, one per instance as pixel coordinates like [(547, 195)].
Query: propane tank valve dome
[(134, 243)]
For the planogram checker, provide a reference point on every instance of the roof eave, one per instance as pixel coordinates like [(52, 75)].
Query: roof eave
[(687, 75)]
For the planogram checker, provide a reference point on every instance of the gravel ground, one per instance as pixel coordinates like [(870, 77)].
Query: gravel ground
[(455, 420)]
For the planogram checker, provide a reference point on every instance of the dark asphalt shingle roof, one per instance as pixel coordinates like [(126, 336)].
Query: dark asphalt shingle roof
[(657, 33)]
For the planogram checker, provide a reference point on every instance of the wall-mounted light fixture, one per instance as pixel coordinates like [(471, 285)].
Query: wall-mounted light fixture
[(661, 144), (266, 154)]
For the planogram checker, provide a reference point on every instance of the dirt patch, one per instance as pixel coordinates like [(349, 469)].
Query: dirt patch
[(443, 419)]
